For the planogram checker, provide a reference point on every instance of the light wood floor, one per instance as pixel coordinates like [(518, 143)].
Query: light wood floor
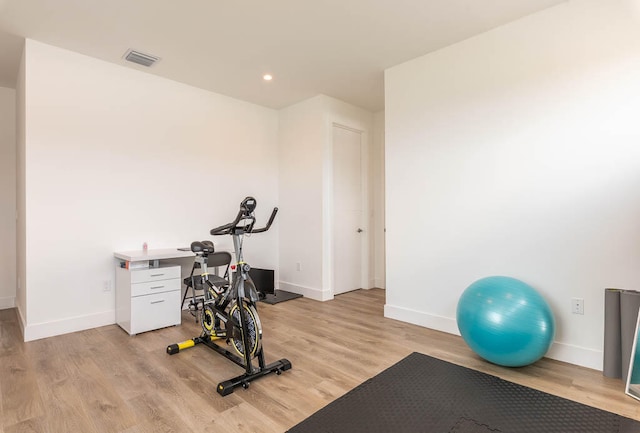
[(102, 380)]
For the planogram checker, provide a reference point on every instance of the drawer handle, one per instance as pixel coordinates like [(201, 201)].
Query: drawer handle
[(156, 275), (158, 301), (156, 287)]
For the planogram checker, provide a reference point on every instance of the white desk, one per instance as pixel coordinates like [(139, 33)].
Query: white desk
[(152, 255), (148, 298)]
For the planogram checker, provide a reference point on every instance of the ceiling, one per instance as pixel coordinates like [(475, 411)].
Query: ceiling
[(334, 47)]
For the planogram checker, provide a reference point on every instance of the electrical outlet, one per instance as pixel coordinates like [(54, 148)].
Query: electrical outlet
[(298, 266), (106, 286), (577, 305)]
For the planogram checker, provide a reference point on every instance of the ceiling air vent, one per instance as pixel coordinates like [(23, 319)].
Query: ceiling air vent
[(140, 58)]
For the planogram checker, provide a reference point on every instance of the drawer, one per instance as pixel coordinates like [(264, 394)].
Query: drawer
[(154, 274), (155, 311), (151, 287)]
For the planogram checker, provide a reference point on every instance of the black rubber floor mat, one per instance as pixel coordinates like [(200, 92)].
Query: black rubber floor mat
[(424, 394), (279, 296), (465, 425)]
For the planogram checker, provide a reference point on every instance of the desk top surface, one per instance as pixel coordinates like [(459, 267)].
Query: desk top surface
[(157, 254)]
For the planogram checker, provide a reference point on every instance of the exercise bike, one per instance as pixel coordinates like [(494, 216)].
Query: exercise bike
[(227, 310)]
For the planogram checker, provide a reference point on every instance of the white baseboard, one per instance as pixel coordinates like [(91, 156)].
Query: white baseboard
[(379, 283), (576, 355), (439, 323), (307, 292), (21, 321), (7, 303), (559, 351), (36, 331)]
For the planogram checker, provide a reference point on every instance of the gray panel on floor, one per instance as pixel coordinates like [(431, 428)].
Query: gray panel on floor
[(279, 296)]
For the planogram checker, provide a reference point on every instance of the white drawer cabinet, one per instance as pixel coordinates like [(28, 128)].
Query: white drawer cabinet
[(147, 299)]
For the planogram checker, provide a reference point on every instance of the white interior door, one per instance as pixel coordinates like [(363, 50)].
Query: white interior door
[(347, 210)]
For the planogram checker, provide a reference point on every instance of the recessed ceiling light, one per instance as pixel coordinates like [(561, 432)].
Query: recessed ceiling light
[(267, 77)]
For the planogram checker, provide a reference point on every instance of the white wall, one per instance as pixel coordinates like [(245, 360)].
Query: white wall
[(116, 157), (301, 135), (305, 140), (7, 197), (378, 200), (516, 153), (21, 236)]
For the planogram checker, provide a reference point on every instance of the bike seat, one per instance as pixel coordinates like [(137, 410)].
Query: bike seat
[(202, 247)]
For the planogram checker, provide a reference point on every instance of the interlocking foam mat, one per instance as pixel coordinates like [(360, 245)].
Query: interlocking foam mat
[(424, 394)]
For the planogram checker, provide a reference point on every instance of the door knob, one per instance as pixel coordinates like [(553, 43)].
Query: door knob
[(360, 230)]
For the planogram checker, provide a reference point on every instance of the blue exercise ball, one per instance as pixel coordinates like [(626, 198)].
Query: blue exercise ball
[(505, 321)]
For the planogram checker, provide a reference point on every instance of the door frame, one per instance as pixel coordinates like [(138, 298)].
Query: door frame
[(329, 229)]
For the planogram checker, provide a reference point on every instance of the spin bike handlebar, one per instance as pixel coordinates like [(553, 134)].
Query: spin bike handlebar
[(268, 226), (245, 213)]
